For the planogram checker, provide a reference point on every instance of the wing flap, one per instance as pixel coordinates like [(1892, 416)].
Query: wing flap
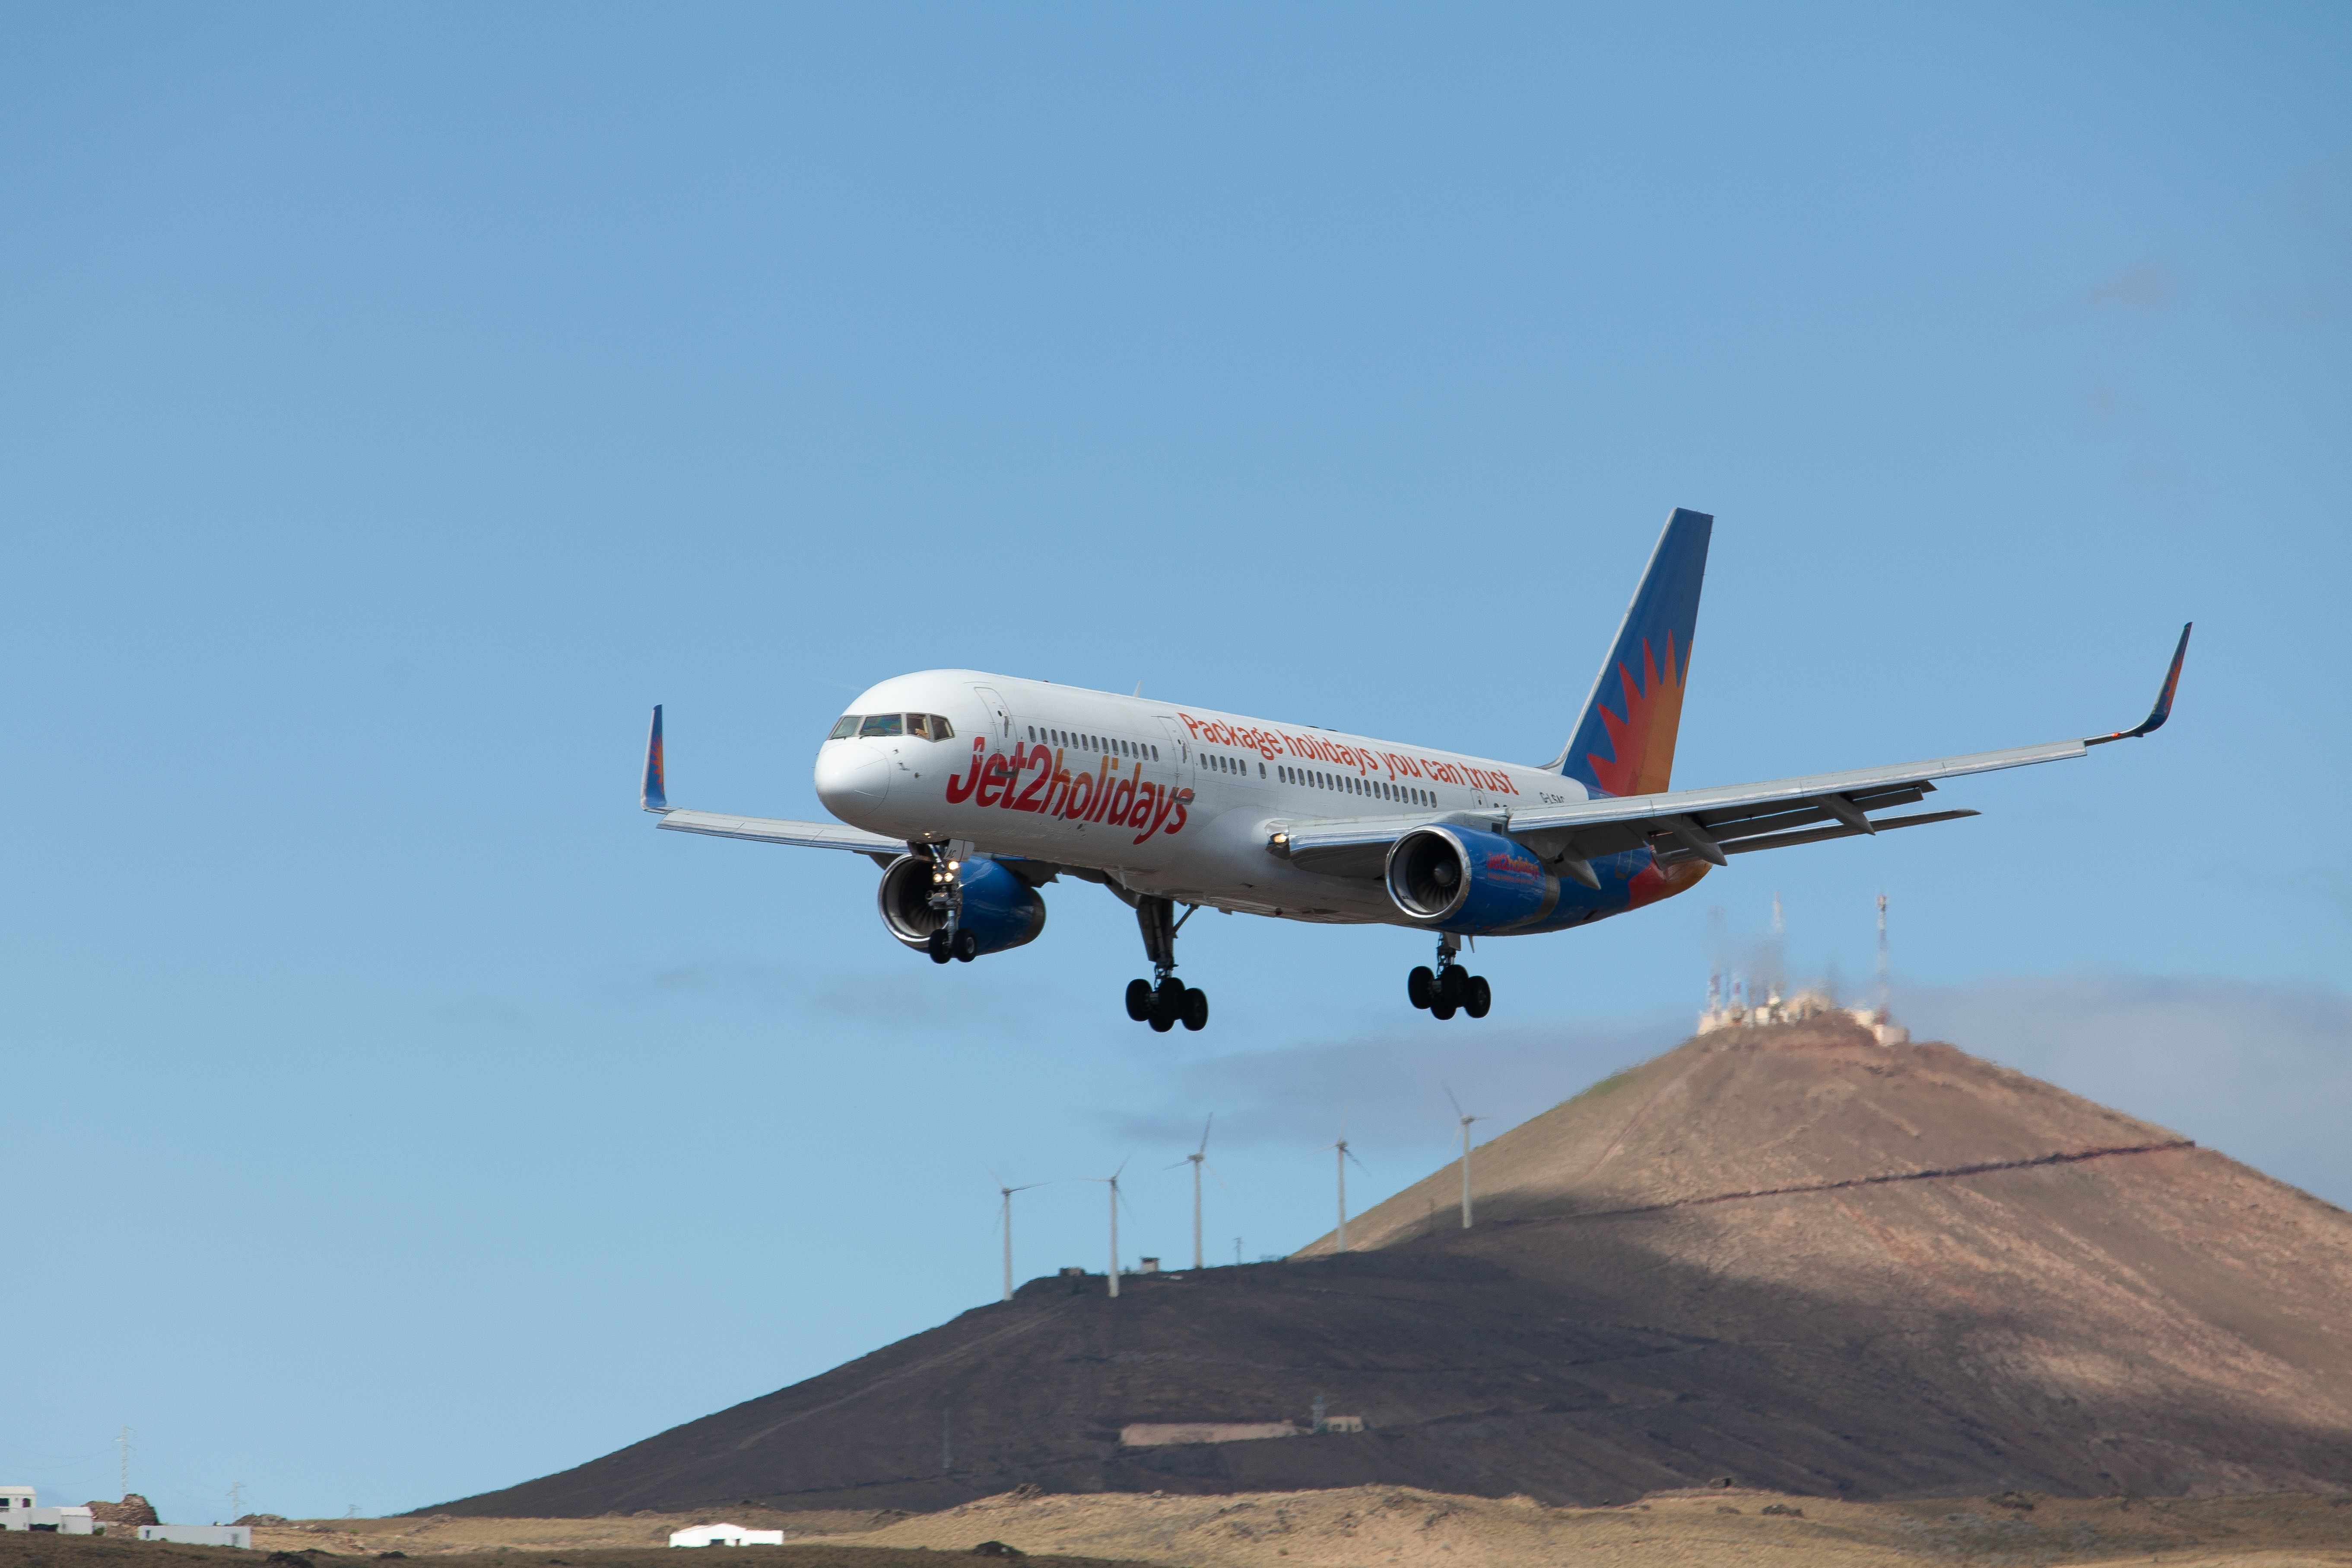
[(1812, 835)]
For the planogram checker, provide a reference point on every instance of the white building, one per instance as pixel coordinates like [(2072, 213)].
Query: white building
[(18, 1511), (236, 1535), (725, 1535)]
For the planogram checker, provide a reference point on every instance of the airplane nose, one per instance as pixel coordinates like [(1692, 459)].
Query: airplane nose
[(851, 774)]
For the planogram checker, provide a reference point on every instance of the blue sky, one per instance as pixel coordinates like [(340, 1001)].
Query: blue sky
[(395, 401)]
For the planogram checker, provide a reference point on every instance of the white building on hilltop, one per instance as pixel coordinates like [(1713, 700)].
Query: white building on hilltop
[(725, 1535), (18, 1511)]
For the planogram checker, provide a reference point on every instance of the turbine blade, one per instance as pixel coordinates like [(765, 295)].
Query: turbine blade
[(1451, 1101), (1212, 1170), (1204, 1131)]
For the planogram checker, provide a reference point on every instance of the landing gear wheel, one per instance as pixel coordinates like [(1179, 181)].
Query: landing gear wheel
[(938, 946), (1420, 985), (1453, 990), (1441, 1008), (1138, 1000), (967, 945), (1168, 999), (1481, 997), (1196, 1010), (1162, 1023)]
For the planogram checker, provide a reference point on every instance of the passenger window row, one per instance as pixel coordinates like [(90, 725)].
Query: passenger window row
[(922, 726), (1225, 765), (1140, 751), (1378, 789)]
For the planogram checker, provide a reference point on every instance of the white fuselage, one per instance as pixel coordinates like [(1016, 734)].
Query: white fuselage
[(1162, 799)]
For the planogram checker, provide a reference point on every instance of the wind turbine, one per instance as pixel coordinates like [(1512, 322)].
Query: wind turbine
[(1340, 1158), (1005, 1219), (1196, 1159), (1113, 1180), (1467, 1119)]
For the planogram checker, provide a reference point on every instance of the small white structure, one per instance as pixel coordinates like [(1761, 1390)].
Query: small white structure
[(236, 1535), (19, 1511), (725, 1535)]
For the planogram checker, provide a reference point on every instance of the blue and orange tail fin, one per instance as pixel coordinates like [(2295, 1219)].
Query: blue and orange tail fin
[(1625, 744), (653, 794)]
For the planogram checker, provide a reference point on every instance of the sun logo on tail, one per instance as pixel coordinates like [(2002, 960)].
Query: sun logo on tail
[(1643, 738)]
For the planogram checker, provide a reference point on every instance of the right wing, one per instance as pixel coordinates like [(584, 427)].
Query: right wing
[(1732, 819), (654, 796), (1707, 824)]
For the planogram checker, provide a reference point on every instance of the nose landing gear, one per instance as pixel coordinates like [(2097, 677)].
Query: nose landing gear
[(1163, 1001), (949, 940), (1449, 989)]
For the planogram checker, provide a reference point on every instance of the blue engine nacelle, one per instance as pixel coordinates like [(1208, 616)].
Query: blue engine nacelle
[(999, 909), (1460, 879)]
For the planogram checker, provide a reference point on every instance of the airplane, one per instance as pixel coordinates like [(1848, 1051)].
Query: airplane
[(972, 791)]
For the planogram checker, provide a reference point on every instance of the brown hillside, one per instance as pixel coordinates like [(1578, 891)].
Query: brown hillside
[(1788, 1256)]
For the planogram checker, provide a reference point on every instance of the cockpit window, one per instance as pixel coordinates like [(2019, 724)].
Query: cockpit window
[(929, 727), (882, 725), (847, 728), (941, 729)]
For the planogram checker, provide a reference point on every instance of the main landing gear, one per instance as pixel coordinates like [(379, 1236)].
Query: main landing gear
[(949, 940), (1163, 1001), (1450, 988)]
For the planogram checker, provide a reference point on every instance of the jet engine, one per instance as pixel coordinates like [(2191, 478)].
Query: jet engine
[(1460, 879), (999, 909)]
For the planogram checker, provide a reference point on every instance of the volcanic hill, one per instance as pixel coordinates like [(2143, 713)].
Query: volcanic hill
[(1789, 1256)]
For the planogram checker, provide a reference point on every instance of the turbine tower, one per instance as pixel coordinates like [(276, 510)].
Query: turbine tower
[(1005, 1220), (1197, 1159), (1113, 1181), (1467, 1119), (1340, 1158)]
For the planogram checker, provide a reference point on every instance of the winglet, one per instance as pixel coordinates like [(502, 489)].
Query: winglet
[(2163, 709), (652, 795)]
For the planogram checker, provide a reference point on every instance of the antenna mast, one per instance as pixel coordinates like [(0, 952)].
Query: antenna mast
[(1882, 959), (122, 1442)]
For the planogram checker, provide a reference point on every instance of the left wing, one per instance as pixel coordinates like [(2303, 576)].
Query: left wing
[(654, 795), (1713, 824)]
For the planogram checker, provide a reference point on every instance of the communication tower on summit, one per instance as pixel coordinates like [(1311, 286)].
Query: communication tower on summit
[(1734, 1006)]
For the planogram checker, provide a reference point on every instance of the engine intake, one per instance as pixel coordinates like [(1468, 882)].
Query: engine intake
[(1460, 880), (1000, 909)]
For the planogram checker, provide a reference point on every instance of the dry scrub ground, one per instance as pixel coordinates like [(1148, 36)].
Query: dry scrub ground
[(1359, 1527), (1362, 1526), (1356, 1526)]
